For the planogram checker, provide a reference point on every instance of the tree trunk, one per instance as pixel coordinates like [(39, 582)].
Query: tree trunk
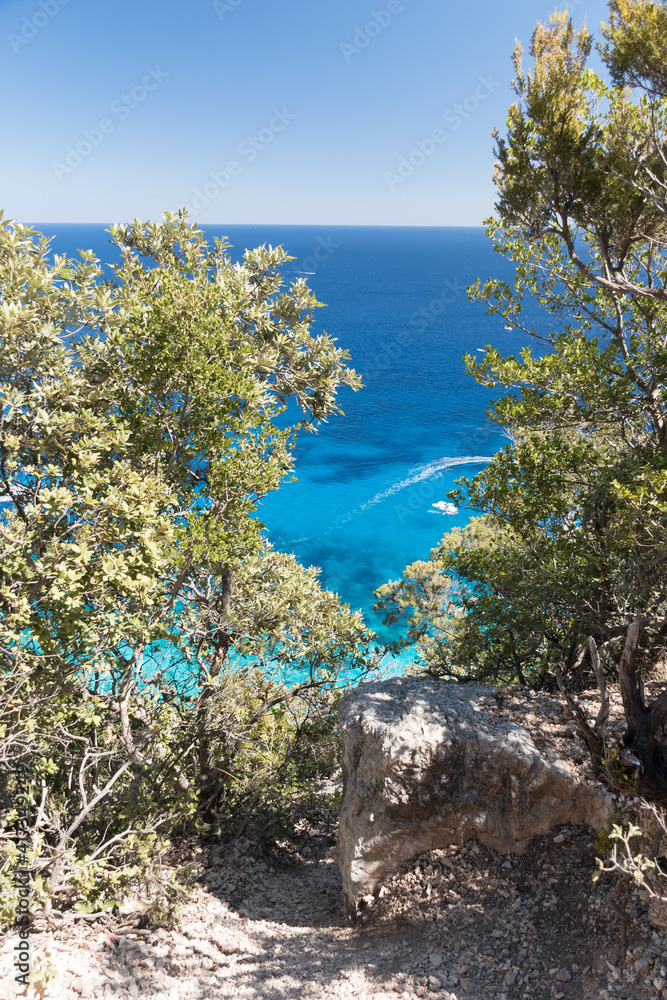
[(644, 724), (645, 750), (207, 775)]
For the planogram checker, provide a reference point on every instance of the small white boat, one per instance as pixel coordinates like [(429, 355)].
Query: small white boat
[(446, 508)]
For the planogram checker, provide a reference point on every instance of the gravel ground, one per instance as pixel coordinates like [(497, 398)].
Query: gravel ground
[(464, 923)]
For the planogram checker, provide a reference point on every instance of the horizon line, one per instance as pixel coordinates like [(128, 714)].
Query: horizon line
[(295, 225)]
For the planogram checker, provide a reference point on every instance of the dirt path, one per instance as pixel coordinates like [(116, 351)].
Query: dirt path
[(460, 924)]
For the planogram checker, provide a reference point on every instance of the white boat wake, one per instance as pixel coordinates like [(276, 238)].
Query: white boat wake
[(416, 475), (425, 472)]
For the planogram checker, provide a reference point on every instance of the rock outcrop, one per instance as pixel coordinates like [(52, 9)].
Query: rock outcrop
[(425, 765)]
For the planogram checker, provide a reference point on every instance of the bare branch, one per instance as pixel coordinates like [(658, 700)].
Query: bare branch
[(600, 726)]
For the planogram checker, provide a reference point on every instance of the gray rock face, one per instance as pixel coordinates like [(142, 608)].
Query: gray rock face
[(424, 766)]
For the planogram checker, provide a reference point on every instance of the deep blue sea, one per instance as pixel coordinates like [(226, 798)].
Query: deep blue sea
[(362, 508)]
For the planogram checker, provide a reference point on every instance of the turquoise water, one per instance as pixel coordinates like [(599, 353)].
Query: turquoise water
[(363, 504)]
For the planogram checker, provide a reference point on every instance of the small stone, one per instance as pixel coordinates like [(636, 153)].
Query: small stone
[(435, 958), (563, 975), (496, 934), (510, 978), (434, 983)]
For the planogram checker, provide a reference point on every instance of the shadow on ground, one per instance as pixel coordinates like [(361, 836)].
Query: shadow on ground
[(461, 922)]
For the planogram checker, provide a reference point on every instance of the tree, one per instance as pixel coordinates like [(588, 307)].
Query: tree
[(142, 418), (571, 540)]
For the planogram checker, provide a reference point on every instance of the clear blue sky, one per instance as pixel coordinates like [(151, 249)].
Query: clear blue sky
[(118, 109)]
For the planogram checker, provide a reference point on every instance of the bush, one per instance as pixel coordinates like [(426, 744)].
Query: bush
[(634, 854)]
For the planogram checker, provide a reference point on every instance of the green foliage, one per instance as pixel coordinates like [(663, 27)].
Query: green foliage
[(424, 603), (620, 854), (148, 634), (620, 775), (603, 844), (636, 42), (282, 758)]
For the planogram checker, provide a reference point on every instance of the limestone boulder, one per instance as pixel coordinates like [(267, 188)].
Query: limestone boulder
[(425, 766)]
